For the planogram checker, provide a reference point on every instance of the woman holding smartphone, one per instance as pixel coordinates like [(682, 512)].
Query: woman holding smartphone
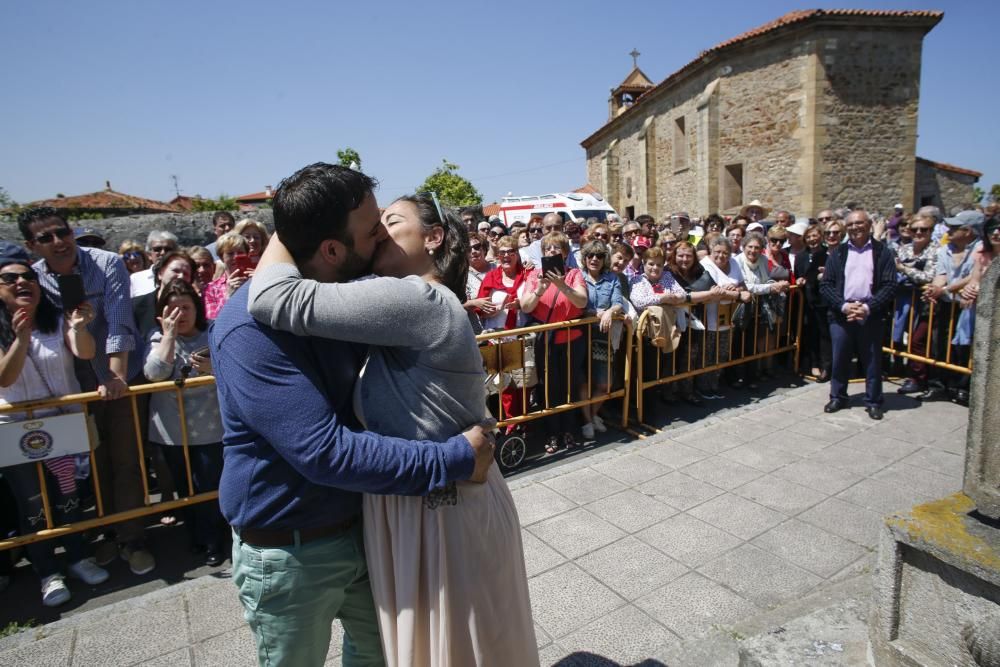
[(233, 250), (553, 294)]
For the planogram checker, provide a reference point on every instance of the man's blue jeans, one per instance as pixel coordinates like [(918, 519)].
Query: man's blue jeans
[(291, 595), (865, 340)]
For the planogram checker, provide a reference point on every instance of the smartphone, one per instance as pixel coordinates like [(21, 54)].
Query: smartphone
[(243, 263), (204, 352), (554, 263), (71, 291)]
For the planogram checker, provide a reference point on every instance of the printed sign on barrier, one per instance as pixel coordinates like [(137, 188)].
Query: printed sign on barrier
[(45, 438)]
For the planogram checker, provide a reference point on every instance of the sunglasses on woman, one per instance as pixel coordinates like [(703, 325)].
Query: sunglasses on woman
[(603, 237), (831, 233), (477, 246), (535, 230), (11, 277), (49, 237), (593, 255)]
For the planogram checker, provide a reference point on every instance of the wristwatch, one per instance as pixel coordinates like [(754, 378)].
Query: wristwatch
[(687, 297)]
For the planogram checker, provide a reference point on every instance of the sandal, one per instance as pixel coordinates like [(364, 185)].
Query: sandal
[(569, 441), (552, 446)]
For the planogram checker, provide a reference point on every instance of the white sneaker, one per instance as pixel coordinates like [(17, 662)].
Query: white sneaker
[(54, 591), (588, 431), (599, 424), (88, 572)]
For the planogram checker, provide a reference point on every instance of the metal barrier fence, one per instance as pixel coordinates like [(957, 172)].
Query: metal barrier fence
[(923, 332), (511, 362), (102, 519), (756, 337)]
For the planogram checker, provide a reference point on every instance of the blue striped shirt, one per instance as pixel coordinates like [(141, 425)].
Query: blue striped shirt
[(106, 283)]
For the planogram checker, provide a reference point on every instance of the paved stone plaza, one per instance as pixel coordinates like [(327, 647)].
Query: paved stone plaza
[(668, 550)]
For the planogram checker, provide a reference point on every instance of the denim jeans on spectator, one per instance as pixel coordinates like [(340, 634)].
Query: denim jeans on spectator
[(23, 480)]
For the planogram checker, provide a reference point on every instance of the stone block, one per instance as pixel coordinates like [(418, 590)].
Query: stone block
[(537, 502), (148, 631), (759, 576), (213, 609), (812, 549), (761, 455), (54, 651), (631, 511), (631, 567), (817, 476), (737, 515), (673, 454), (721, 471), (859, 462), (982, 456), (567, 598), (688, 540), (847, 520), (779, 494), (584, 486), (937, 573), (882, 497), (538, 556), (576, 532), (631, 469), (693, 604), (625, 636), (679, 490)]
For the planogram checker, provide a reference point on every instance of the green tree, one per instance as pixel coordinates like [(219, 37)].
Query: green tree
[(453, 190), (223, 203), (5, 199), (348, 155), (977, 194), (995, 192)]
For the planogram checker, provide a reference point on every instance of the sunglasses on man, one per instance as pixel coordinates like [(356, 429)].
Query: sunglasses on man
[(49, 237), (477, 246)]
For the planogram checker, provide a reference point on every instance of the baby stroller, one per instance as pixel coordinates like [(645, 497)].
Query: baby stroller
[(510, 369)]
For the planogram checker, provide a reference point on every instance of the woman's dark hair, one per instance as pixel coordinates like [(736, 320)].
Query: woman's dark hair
[(990, 223), (46, 318), (179, 288), (596, 246), (159, 264), (451, 258)]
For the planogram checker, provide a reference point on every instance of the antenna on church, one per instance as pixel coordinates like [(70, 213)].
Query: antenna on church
[(177, 188), (635, 58)]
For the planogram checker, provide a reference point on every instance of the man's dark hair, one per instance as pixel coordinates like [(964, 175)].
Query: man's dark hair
[(645, 219), (312, 205), (30, 216), (223, 215)]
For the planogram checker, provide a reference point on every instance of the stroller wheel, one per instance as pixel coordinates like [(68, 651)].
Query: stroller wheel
[(510, 453)]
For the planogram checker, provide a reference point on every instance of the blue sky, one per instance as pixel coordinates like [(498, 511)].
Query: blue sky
[(230, 97)]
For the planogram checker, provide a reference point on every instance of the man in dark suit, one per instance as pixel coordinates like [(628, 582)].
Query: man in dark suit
[(858, 285)]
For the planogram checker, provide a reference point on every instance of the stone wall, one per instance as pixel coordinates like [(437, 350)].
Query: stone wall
[(821, 116), (942, 188), (190, 228), (868, 111)]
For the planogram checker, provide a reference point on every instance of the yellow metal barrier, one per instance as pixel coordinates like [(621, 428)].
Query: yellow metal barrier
[(514, 343), (102, 519), (783, 341), (926, 336)]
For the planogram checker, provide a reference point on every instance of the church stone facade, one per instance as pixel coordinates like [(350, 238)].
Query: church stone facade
[(816, 108)]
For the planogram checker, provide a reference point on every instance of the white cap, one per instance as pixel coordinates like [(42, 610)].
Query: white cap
[(755, 227), (898, 206)]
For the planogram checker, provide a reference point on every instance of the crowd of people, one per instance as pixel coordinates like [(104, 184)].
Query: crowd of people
[(149, 305), (144, 319), (699, 277)]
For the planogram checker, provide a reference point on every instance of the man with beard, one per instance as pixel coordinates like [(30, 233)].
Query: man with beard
[(296, 461)]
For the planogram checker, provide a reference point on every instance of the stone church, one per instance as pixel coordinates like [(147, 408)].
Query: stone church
[(814, 109)]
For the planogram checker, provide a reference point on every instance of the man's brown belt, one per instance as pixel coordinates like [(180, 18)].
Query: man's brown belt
[(269, 539)]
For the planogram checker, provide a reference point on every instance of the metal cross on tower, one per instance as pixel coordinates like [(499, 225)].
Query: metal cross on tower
[(635, 57)]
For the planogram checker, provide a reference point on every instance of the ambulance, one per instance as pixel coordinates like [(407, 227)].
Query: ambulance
[(574, 206)]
